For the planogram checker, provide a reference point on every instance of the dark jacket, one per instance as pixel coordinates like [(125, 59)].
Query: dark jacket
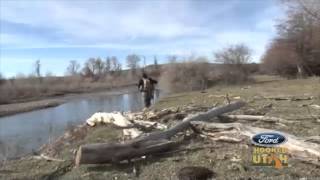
[(152, 81)]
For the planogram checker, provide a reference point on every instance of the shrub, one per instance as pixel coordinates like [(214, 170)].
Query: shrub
[(185, 76)]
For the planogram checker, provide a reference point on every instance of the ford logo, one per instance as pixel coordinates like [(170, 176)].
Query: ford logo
[(268, 139)]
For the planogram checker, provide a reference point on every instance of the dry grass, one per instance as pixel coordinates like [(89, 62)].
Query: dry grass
[(196, 75), (24, 89)]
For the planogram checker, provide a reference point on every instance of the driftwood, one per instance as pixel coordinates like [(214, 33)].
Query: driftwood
[(315, 106), (149, 124), (148, 144), (131, 127), (116, 152), (223, 138), (116, 119), (44, 157), (290, 98), (185, 123), (297, 147), (256, 118)]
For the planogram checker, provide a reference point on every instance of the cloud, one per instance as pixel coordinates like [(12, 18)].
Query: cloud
[(85, 21), (146, 27)]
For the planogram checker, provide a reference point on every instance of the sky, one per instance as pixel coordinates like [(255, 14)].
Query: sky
[(57, 31)]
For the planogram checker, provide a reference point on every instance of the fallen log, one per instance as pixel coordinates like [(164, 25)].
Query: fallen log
[(149, 124), (185, 123), (116, 152), (256, 118), (290, 98), (147, 144), (298, 147)]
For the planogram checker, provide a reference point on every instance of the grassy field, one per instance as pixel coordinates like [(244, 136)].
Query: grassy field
[(227, 160)]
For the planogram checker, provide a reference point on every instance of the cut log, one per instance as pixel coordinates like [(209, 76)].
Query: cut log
[(144, 145), (114, 153), (298, 147)]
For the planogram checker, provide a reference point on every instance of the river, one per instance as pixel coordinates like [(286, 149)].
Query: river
[(24, 133)]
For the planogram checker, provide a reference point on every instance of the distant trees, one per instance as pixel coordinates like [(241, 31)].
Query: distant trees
[(172, 59), (89, 69), (133, 62), (116, 66), (107, 67), (191, 74), (96, 68), (99, 67), (73, 68), (297, 47), (234, 58), (235, 54)]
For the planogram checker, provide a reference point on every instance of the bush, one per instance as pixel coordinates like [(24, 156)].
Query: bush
[(235, 59), (186, 76), (280, 59), (233, 74)]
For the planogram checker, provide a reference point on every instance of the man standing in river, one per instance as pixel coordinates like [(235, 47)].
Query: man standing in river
[(146, 86)]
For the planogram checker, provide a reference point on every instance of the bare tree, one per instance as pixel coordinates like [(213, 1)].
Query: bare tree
[(203, 74), (299, 33), (280, 58), (107, 67), (310, 7), (188, 75), (89, 68), (73, 68), (99, 66), (115, 66), (235, 54), (133, 62), (234, 57)]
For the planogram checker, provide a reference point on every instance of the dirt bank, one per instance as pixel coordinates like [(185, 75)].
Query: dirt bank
[(10, 109)]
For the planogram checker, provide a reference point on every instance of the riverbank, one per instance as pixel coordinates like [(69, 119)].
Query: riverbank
[(286, 99), (47, 102)]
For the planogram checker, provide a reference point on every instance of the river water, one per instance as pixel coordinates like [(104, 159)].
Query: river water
[(24, 133)]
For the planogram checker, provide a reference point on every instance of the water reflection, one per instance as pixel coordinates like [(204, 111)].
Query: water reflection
[(25, 132)]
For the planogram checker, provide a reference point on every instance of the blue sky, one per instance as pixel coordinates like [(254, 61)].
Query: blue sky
[(57, 31)]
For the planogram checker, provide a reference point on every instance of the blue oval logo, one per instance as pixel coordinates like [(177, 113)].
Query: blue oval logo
[(268, 139)]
